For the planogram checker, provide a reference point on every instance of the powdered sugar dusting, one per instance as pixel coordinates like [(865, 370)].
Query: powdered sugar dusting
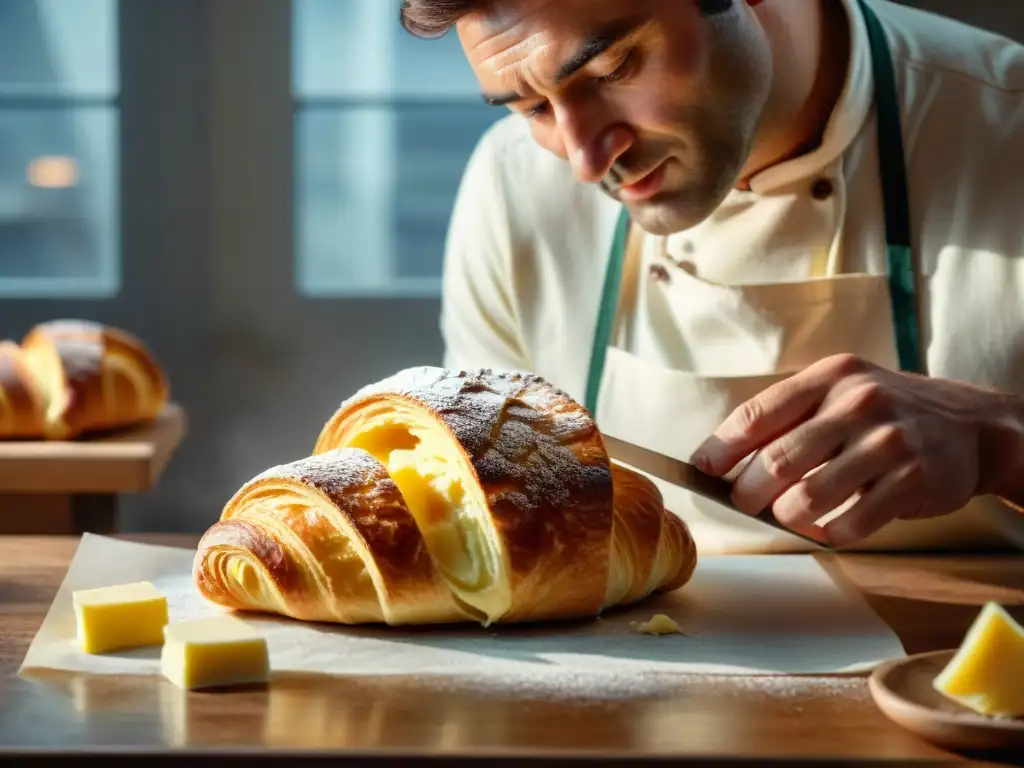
[(337, 473), (541, 464), (518, 429)]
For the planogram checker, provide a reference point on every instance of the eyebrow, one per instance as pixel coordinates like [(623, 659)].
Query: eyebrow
[(587, 52)]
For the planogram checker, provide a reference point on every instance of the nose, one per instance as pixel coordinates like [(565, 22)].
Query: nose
[(592, 144)]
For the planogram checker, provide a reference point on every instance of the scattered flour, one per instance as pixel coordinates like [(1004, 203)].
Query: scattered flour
[(578, 686)]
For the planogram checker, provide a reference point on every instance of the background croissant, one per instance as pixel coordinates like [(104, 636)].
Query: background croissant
[(438, 496), (68, 378)]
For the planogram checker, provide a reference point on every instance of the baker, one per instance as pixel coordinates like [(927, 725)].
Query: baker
[(781, 238)]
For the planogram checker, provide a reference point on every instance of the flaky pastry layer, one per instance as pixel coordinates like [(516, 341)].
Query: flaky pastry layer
[(327, 538)]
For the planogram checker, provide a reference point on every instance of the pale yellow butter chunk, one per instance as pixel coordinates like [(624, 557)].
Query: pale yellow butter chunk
[(120, 617), (660, 624), (987, 672), (214, 652)]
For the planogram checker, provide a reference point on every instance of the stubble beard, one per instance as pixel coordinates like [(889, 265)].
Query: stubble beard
[(702, 167), (714, 140)]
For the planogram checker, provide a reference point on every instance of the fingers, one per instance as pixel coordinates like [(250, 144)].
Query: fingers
[(775, 411), (860, 465), (897, 494), (755, 423), (787, 460), (784, 462)]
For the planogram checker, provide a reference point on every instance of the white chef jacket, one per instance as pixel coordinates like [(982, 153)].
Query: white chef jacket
[(527, 248)]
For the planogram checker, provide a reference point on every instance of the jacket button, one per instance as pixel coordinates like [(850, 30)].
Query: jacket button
[(822, 189), (686, 266), (659, 274)]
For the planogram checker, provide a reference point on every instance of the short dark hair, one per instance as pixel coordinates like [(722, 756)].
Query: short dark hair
[(433, 18)]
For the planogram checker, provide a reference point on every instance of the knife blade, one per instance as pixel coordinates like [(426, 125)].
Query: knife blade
[(687, 476)]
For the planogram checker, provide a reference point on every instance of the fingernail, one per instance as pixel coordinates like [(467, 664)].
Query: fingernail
[(702, 461)]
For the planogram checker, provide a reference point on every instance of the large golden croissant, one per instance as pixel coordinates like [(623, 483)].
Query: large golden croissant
[(439, 496), (69, 378)]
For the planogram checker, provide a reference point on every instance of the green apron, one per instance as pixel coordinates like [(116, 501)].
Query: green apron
[(897, 226)]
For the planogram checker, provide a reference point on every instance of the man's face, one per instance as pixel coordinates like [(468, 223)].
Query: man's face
[(653, 100)]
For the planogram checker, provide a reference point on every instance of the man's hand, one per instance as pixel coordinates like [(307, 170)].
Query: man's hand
[(903, 446)]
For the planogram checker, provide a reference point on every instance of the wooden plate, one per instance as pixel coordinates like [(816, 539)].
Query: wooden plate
[(902, 689)]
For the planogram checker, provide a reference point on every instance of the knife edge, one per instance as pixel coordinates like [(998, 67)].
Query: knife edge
[(690, 478)]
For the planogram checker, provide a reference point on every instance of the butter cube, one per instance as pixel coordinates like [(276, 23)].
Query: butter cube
[(987, 672), (214, 652), (120, 617)]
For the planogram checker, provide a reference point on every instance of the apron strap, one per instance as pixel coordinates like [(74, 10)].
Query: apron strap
[(606, 313), (896, 205), (895, 197)]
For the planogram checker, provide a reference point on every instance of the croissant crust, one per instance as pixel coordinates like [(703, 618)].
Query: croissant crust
[(469, 495), (70, 378)]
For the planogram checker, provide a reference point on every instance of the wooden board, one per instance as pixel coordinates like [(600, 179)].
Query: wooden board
[(700, 720), (123, 462)]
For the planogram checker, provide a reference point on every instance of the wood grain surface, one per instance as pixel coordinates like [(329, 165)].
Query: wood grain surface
[(119, 462), (928, 600)]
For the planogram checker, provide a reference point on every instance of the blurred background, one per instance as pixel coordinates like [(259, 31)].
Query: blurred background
[(260, 189)]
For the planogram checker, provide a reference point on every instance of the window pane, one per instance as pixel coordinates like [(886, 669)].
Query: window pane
[(59, 232), (358, 48), (58, 47), (375, 188)]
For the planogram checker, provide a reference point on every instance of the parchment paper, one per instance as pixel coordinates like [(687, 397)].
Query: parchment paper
[(742, 615)]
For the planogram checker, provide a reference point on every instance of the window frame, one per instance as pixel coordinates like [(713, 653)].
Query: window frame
[(392, 285), (161, 230), (107, 284)]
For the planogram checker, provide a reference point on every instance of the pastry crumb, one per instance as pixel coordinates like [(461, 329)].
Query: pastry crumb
[(660, 624)]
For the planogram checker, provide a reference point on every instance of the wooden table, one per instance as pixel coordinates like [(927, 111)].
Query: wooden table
[(72, 487), (928, 600)]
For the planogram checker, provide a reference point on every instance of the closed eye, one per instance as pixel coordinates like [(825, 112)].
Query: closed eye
[(536, 111), (621, 71)]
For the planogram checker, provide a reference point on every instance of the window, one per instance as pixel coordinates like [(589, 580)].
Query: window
[(384, 126), (58, 148)]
